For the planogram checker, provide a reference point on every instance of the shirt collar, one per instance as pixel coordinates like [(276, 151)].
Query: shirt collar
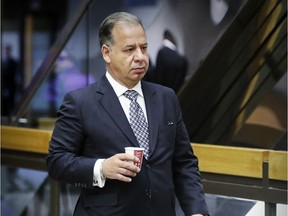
[(120, 89), (169, 44)]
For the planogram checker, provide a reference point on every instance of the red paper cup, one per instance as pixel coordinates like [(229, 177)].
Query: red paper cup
[(136, 151)]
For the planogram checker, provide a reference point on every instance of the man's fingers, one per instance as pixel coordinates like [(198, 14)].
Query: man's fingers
[(127, 157), (120, 166), (127, 172), (123, 178)]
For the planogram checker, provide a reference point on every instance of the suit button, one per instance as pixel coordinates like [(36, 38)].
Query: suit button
[(148, 192), (148, 166)]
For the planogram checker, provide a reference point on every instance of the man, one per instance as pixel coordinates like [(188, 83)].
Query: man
[(9, 80), (171, 67), (93, 128)]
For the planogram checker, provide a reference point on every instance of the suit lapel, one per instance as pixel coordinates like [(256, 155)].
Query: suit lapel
[(110, 102), (153, 113)]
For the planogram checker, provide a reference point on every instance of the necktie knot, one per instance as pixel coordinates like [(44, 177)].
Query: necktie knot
[(131, 94)]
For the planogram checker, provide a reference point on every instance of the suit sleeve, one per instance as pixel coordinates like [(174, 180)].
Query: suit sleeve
[(187, 179), (64, 159)]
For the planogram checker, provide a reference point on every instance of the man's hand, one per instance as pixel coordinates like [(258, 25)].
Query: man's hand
[(120, 167)]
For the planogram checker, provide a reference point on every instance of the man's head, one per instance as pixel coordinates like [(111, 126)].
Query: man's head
[(168, 36), (105, 33), (8, 50), (124, 48)]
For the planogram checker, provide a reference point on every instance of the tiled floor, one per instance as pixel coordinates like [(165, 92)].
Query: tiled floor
[(26, 193)]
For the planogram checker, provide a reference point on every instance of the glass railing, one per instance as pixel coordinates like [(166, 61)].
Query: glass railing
[(61, 70), (55, 70)]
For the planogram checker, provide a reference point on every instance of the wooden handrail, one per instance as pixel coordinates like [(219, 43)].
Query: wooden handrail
[(278, 165), (25, 139), (235, 161)]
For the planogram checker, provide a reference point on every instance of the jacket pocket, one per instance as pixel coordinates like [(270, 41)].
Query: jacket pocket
[(101, 199)]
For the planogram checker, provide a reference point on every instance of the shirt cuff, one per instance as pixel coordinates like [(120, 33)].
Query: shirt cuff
[(98, 178)]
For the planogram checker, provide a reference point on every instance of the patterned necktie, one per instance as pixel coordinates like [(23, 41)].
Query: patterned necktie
[(138, 122)]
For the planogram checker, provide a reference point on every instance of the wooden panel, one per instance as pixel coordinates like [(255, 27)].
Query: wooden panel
[(236, 161), (258, 136), (24, 139), (278, 165)]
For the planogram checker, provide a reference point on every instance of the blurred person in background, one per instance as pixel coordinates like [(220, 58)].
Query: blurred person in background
[(171, 67), (9, 81)]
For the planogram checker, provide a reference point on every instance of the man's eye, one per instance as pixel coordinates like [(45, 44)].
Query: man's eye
[(129, 50)]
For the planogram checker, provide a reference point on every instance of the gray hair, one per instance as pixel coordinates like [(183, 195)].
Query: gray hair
[(105, 32)]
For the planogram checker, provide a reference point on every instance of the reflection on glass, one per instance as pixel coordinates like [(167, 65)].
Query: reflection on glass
[(67, 77), (19, 188), (27, 192)]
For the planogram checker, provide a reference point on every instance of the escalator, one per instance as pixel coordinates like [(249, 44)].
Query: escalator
[(239, 72)]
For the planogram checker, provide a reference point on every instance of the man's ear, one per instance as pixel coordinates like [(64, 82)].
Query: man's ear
[(106, 53)]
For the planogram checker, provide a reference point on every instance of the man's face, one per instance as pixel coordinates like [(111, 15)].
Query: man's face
[(127, 59)]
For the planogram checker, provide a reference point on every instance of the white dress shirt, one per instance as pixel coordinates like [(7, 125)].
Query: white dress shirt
[(169, 44), (98, 178)]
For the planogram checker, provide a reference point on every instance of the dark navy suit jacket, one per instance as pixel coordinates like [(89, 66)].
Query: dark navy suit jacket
[(171, 68), (92, 125)]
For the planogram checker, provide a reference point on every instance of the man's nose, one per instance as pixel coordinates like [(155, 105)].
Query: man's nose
[(139, 55)]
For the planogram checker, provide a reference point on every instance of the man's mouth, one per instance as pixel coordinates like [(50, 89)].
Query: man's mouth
[(139, 69)]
